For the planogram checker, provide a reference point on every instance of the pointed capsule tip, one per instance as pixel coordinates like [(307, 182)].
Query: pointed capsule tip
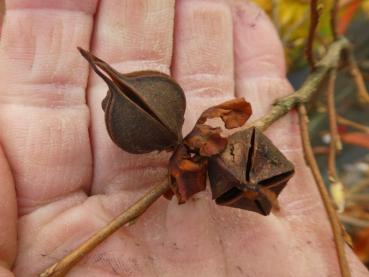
[(87, 55)]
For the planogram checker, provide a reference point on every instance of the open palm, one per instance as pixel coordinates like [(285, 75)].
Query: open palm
[(70, 179)]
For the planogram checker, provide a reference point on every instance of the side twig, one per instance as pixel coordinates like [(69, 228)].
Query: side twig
[(309, 87), (332, 216), (346, 122), (333, 17), (64, 265), (314, 20), (358, 78), (335, 185)]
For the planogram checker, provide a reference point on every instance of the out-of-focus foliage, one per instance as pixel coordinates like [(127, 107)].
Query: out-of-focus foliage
[(291, 17)]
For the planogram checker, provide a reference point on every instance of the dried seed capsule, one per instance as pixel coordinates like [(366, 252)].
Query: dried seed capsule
[(144, 111), (188, 164), (249, 173)]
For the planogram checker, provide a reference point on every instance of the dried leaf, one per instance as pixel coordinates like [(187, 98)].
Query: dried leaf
[(188, 164), (361, 245), (188, 173), (206, 140), (234, 113)]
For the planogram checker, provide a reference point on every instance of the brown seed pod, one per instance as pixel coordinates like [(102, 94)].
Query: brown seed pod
[(144, 111), (250, 173), (188, 164)]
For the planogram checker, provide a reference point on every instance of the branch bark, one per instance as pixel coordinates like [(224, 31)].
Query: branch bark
[(335, 185), (337, 229), (309, 87)]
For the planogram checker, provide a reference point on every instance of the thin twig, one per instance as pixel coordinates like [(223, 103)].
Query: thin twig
[(63, 266), (309, 87), (332, 115), (335, 185), (338, 232), (346, 122), (358, 78), (332, 216), (314, 20), (333, 19)]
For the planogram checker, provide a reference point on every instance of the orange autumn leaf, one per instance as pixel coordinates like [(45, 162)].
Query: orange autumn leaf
[(234, 113), (361, 245), (356, 138)]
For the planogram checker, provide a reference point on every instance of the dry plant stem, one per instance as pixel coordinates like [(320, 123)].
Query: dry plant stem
[(332, 216), (133, 212), (332, 115), (358, 78), (314, 20), (335, 185), (349, 123), (333, 21), (309, 87)]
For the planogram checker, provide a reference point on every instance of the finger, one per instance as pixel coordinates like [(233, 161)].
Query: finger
[(260, 77), (43, 116), (203, 65), (8, 215), (130, 35), (203, 55)]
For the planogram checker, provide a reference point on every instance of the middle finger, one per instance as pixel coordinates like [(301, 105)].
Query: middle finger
[(131, 35)]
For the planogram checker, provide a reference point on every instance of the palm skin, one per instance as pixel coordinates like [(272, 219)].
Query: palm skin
[(62, 178)]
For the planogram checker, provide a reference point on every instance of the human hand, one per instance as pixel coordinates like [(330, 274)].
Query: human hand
[(71, 179)]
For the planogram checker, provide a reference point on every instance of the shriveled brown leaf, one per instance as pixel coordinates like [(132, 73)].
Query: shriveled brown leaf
[(206, 140), (188, 173), (234, 113)]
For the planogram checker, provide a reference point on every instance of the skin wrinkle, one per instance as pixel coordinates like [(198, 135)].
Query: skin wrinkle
[(29, 205), (220, 240), (126, 181), (88, 7), (62, 96), (45, 49), (48, 213), (202, 85), (35, 48)]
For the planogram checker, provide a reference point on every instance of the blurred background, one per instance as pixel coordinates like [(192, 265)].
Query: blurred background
[(291, 18)]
